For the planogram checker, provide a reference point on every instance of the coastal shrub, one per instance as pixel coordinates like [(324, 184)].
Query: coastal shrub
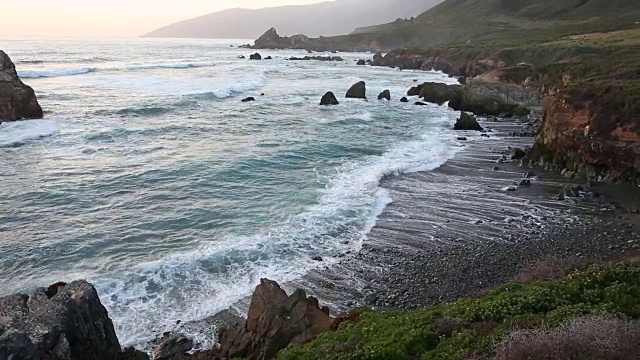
[(471, 328), (551, 269), (578, 339)]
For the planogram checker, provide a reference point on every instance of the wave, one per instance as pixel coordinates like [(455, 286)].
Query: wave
[(170, 65), (238, 87), (63, 61), (34, 74), (16, 134), (195, 285)]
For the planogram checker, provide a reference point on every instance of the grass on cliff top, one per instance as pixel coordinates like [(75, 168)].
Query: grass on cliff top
[(473, 328)]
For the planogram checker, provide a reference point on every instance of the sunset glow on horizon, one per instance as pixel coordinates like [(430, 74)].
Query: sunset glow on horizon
[(130, 18)]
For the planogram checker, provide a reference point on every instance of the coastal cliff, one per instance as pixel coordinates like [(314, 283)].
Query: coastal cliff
[(584, 134), (17, 100)]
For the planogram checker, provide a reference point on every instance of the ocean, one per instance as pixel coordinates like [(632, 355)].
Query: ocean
[(150, 178)]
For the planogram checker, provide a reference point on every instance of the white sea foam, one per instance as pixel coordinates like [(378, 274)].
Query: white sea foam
[(34, 74), (17, 133), (192, 286)]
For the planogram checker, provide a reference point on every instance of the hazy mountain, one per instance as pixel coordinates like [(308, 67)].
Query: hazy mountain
[(323, 19)]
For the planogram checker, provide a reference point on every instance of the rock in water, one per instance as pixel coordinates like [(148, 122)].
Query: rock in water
[(329, 99), (17, 100), (404, 99), (358, 91), (255, 56), (173, 348), (438, 93), (467, 122), (275, 321), (361, 62), (63, 322), (250, 98), (518, 154), (385, 95)]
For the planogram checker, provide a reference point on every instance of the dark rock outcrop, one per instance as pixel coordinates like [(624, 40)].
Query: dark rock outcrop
[(318, 58), (272, 40), (329, 99), (415, 90), (467, 122), (420, 103), (62, 322), (275, 321), (438, 93), (255, 56), (404, 99), (268, 58), (173, 348), (518, 154), (17, 100), (249, 99), (385, 95), (358, 91), (361, 62)]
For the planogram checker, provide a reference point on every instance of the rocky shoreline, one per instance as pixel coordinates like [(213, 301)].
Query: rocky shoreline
[(17, 100)]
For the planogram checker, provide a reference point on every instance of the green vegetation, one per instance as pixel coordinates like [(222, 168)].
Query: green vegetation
[(471, 328)]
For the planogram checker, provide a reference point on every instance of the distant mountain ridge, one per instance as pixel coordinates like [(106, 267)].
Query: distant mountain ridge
[(323, 19)]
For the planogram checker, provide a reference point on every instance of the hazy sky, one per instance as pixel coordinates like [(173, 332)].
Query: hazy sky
[(110, 17)]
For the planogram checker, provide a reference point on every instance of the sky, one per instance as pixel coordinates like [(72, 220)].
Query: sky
[(129, 18)]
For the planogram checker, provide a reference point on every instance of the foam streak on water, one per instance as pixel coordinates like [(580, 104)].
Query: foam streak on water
[(150, 178)]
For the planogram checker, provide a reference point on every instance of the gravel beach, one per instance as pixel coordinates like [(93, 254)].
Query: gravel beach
[(460, 229)]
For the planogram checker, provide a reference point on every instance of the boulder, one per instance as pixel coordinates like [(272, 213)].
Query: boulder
[(357, 91), (518, 154), (255, 56), (268, 58), (438, 93), (248, 99), (361, 62), (329, 99), (415, 90), (62, 322), (172, 348), (404, 99), (467, 122), (17, 100), (385, 95), (275, 321)]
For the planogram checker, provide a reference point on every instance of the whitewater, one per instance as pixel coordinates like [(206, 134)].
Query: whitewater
[(150, 178)]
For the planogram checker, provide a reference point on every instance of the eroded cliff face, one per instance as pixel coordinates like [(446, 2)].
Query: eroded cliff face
[(588, 137), (17, 100)]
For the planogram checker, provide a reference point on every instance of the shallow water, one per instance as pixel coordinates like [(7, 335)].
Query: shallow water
[(151, 179)]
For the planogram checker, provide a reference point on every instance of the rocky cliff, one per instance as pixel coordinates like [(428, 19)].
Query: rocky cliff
[(17, 100), (61, 322), (587, 135)]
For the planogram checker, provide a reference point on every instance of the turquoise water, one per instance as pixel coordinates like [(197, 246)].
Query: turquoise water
[(149, 177)]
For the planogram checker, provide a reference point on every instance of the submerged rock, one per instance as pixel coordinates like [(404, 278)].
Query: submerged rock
[(17, 100), (385, 95), (329, 99), (248, 99), (358, 91), (467, 122), (420, 103), (275, 321)]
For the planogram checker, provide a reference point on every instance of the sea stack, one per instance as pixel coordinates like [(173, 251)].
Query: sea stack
[(358, 91), (17, 100)]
